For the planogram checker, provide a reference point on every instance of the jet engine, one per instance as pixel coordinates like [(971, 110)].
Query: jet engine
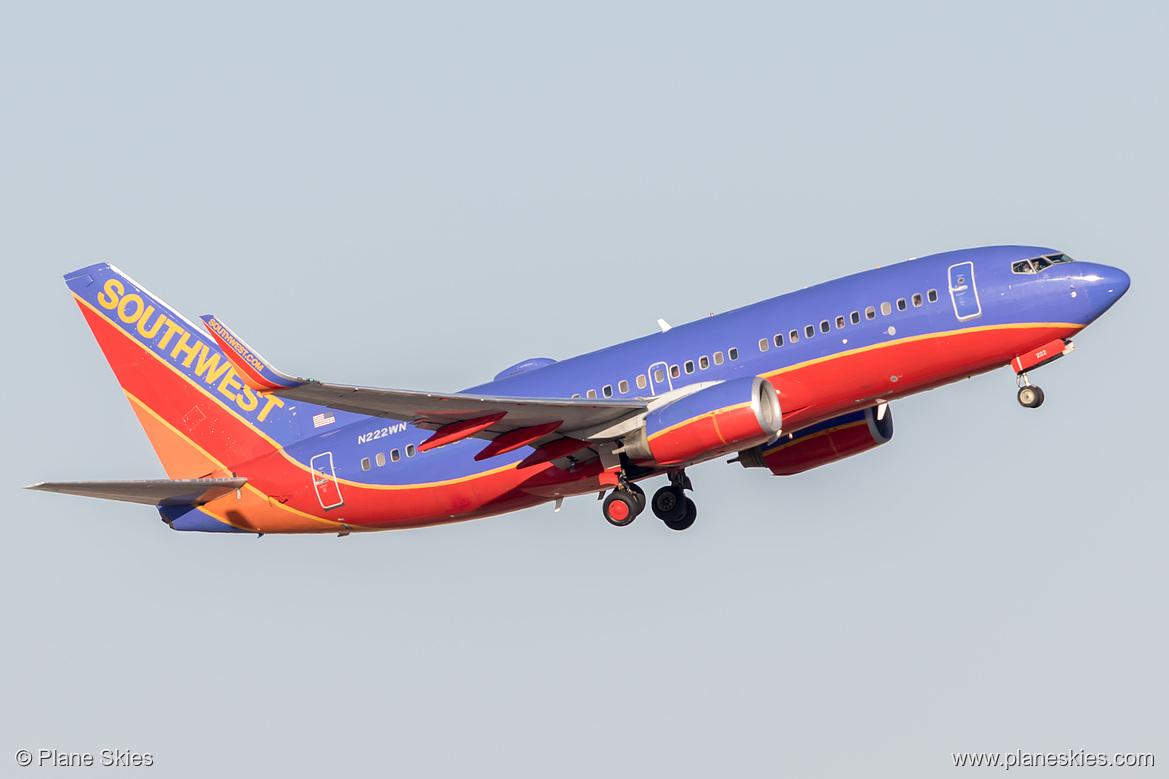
[(713, 421), (826, 442)]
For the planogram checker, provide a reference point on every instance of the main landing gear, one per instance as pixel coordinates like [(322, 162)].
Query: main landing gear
[(669, 504)]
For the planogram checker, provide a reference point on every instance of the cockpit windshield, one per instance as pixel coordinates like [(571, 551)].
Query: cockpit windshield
[(1037, 264)]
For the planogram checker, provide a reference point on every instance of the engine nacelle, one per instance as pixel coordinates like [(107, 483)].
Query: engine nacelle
[(709, 423), (827, 442)]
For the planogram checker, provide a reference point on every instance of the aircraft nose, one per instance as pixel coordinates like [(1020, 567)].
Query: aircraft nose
[(1106, 285)]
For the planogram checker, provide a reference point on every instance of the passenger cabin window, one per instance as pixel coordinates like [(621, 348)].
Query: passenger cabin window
[(855, 317), (675, 372), (591, 394), (396, 455), (365, 463), (886, 309), (901, 306), (824, 326), (916, 298), (778, 339), (577, 395), (410, 450), (659, 376), (839, 323), (733, 353), (381, 459), (793, 336), (932, 296), (623, 386), (703, 362), (762, 344), (607, 390), (641, 381), (718, 358), (689, 366), (809, 331), (870, 313)]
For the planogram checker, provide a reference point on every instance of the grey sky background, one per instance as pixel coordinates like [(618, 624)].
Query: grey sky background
[(419, 195)]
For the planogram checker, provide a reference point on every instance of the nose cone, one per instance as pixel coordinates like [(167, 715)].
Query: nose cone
[(1102, 285), (1106, 285)]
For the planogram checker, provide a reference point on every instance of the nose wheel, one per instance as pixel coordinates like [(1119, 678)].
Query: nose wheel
[(1030, 396)]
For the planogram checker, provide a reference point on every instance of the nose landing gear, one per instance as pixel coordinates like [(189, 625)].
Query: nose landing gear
[(1030, 396)]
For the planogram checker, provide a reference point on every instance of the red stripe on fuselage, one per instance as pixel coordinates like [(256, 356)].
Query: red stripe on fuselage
[(821, 389)]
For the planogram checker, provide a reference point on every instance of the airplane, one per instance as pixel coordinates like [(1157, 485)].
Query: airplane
[(787, 384)]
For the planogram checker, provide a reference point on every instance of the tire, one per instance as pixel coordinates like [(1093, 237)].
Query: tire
[(689, 514), (620, 508), (669, 504), (1030, 397), (639, 495)]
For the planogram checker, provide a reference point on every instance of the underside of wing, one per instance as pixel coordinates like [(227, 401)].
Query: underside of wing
[(433, 411), (151, 492), (518, 421)]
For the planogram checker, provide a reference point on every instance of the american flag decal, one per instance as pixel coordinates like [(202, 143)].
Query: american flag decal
[(320, 420)]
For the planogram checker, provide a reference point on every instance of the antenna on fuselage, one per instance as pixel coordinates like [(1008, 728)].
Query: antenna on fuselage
[(664, 325)]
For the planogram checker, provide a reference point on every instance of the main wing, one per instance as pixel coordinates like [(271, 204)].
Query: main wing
[(522, 421)]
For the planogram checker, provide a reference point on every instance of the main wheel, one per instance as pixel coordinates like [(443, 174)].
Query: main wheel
[(1030, 396), (620, 508), (669, 504), (639, 495), (689, 514)]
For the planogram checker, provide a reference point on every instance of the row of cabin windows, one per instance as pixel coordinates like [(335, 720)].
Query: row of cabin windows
[(659, 375), (855, 317), (395, 455)]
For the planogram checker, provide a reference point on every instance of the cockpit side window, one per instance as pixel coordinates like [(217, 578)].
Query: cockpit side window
[(1023, 266)]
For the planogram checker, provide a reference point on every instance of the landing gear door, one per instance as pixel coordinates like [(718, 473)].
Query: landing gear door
[(325, 481), (963, 292), (659, 378)]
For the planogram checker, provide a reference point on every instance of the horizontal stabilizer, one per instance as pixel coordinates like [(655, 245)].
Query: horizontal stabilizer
[(151, 492)]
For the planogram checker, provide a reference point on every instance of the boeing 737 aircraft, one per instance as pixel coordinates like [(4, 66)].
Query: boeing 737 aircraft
[(787, 384)]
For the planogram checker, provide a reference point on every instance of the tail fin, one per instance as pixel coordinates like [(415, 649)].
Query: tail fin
[(200, 416)]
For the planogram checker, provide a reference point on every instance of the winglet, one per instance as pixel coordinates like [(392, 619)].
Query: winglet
[(256, 373)]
